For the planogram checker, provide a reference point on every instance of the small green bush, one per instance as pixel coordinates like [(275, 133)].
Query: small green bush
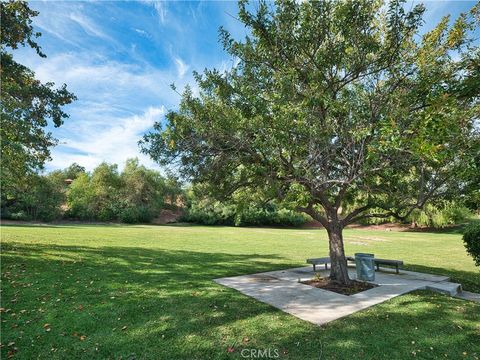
[(441, 215), (134, 215), (216, 213), (207, 213), (471, 239), (20, 215)]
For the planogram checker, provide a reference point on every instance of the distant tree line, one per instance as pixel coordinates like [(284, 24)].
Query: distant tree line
[(138, 194), (246, 208), (134, 195), (254, 210)]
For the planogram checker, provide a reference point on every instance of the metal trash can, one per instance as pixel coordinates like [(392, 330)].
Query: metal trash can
[(365, 266)]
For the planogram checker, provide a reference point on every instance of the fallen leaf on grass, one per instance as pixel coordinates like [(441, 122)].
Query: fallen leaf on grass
[(11, 353), (83, 337)]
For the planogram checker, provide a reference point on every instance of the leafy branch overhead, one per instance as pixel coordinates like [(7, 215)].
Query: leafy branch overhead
[(335, 105), (27, 105), (341, 109)]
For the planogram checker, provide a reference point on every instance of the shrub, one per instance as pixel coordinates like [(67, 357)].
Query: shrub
[(208, 212), (133, 196), (133, 215), (291, 218), (471, 239), (20, 215), (40, 198), (440, 215), (253, 216)]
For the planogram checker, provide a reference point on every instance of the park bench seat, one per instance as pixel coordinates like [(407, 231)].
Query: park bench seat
[(395, 263), (319, 261), (326, 260)]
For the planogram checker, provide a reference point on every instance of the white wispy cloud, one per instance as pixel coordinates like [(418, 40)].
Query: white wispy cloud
[(115, 106), (121, 80), (142, 32), (160, 8), (94, 77), (161, 11), (114, 144), (89, 26), (182, 68), (71, 22)]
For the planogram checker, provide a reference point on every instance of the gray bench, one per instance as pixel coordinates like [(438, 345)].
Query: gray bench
[(326, 260), (319, 261), (396, 263)]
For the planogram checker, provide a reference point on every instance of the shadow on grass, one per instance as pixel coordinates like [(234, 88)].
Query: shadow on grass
[(137, 303), (165, 296)]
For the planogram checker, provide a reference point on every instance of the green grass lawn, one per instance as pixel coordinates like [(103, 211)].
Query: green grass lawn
[(146, 292)]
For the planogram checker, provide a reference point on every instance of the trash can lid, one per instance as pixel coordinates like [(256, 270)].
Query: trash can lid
[(364, 255)]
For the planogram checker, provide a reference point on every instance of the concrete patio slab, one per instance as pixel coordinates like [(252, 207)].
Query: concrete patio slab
[(467, 295), (283, 290), (448, 288)]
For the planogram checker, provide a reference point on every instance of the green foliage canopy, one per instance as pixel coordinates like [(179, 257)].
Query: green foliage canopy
[(27, 105), (333, 105), (137, 194), (471, 239)]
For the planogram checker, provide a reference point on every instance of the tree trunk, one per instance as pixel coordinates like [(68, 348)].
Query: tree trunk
[(338, 270)]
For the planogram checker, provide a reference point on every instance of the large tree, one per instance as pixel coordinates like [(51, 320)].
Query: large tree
[(341, 108), (27, 105)]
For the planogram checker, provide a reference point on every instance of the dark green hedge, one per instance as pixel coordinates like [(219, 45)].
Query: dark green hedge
[(471, 239)]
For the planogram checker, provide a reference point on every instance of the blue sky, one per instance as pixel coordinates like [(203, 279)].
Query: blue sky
[(120, 57)]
